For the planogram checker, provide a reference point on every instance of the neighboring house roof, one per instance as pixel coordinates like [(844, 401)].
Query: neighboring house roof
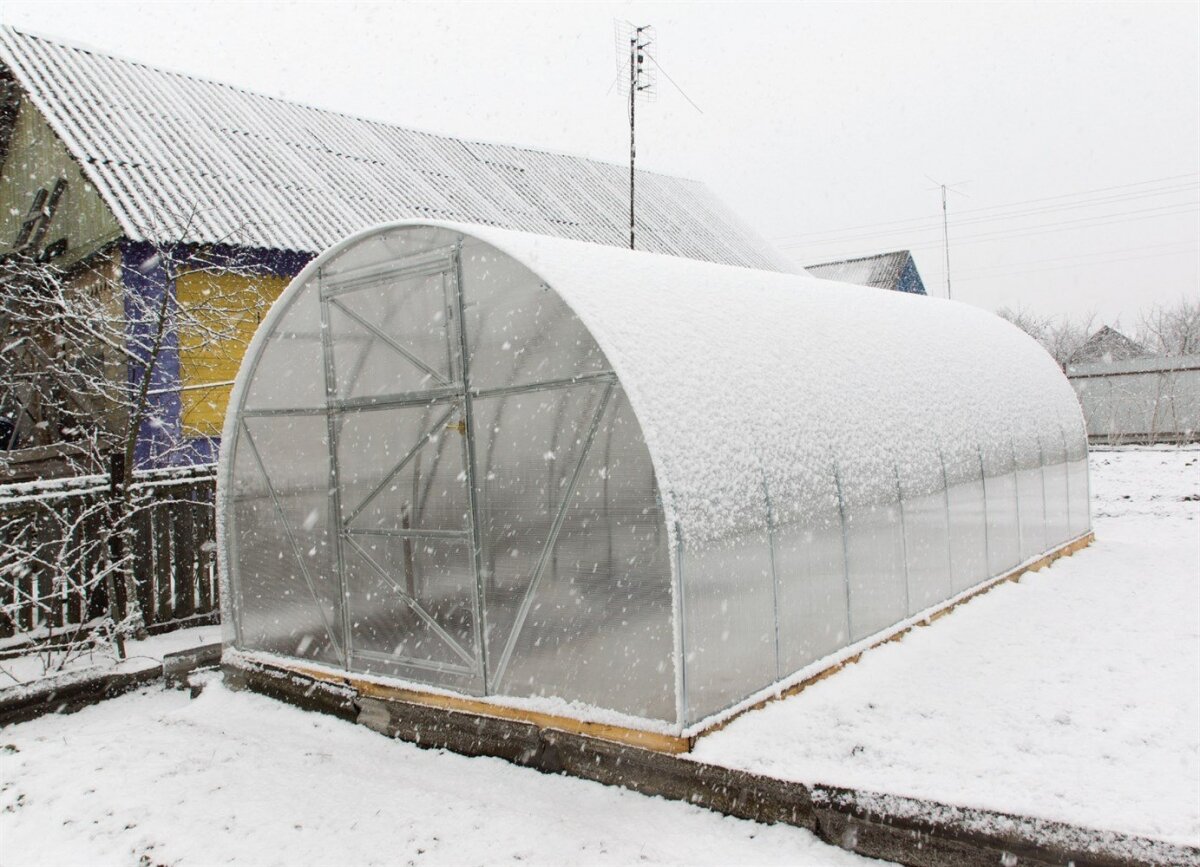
[(179, 158), (1108, 344), (883, 271)]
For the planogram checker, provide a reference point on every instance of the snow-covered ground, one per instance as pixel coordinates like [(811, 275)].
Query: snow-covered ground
[(1072, 695), (24, 670), (235, 778)]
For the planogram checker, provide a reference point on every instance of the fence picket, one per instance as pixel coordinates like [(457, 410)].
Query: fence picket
[(171, 541)]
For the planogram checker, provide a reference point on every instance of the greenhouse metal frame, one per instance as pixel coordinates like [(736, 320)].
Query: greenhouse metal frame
[(621, 486)]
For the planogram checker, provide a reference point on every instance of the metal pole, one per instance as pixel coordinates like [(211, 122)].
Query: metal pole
[(633, 43), (333, 429), (946, 239)]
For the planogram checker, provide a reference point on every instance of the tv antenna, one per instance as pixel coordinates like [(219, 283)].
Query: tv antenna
[(637, 83), (947, 188)]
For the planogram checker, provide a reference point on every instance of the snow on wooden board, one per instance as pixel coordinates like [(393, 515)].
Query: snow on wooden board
[(26, 670), (1071, 695), (235, 778)]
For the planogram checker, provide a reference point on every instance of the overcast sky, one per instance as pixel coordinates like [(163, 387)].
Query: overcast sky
[(1074, 129)]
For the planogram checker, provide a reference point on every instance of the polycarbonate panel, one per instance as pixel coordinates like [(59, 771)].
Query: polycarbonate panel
[(1030, 496), (1000, 488), (288, 596), (527, 448), (810, 568), (519, 330), (291, 368), (874, 545), (728, 621), (1054, 476), (412, 608), (968, 518), (598, 628), (926, 528), (391, 336), (401, 469), (1077, 477)]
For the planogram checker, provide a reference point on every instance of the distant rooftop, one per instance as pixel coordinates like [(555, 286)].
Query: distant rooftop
[(1108, 345), (180, 158), (895, 270)]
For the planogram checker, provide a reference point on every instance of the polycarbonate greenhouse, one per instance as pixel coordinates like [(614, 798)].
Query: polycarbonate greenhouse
[(623, 485)]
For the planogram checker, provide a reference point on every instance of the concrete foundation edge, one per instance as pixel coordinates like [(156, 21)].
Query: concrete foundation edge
[(909, 831)]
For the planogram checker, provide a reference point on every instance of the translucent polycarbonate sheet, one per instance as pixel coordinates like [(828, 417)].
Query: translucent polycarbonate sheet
[(287, 596), (875, 560), (968, 517), (1077, 478), (392, 335), (927, 547), (1030, 497), (1000, 487), (1056, 483), (597, 627), (290, 370), (362, 259), (519, 330), (728, 621), (810, 568), (926, 526)]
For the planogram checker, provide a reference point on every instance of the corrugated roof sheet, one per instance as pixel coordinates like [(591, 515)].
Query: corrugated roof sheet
[(881, 271), (179, 158)]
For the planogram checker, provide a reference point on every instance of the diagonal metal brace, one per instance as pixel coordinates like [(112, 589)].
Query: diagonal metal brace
[(527, 601)]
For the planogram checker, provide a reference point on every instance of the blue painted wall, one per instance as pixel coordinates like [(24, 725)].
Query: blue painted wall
[(910, 279)]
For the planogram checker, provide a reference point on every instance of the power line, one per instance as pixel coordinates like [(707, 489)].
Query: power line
[(993, 207), (1076, 265), (654, 60), (929, 227), (1003, 235), (1089, 255)]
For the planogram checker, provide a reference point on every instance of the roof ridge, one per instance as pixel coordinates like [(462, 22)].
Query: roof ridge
[(19, 33)]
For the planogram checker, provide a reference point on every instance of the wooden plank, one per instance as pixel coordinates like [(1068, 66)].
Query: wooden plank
[(142, 560), (657, 741), (205, 549), (160, 520), (183, 562)]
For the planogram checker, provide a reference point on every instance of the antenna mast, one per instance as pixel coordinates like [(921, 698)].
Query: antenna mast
[(632, 42), (946, 238), (947, 188)]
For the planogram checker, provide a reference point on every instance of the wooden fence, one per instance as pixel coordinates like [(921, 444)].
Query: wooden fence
[(55, 548)]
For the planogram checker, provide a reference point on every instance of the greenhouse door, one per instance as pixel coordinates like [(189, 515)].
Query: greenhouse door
[(401, 475)]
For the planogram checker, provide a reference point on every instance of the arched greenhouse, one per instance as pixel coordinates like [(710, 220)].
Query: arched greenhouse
[(621, 485)]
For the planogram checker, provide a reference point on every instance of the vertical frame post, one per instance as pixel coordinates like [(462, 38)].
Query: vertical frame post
[(333, 425), (459, 311)]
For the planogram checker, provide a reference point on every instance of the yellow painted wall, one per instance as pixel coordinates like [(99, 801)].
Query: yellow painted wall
[(36, 159), (221, 313)]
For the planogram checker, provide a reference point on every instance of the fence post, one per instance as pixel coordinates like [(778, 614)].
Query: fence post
[(116, 473)]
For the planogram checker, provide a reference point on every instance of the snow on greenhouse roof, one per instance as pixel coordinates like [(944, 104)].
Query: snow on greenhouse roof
[(182, 158), (742, 377), (881, 271)]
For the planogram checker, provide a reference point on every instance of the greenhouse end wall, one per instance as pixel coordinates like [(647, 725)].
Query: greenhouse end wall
[(509, 465)]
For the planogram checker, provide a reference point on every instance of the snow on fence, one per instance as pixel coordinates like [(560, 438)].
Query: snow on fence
[(1140, 400), (54, 549)]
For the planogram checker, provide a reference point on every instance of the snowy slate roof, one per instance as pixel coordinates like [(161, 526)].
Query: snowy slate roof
[(182, 158), (882, 271), (1108, 345)]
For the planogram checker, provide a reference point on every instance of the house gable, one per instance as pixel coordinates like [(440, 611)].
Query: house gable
[(47, 204)]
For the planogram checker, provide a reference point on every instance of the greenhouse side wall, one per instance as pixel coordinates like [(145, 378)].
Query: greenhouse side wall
[(863, 552)]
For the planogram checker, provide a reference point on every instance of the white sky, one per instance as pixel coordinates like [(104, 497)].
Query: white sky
[(817, 118)]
